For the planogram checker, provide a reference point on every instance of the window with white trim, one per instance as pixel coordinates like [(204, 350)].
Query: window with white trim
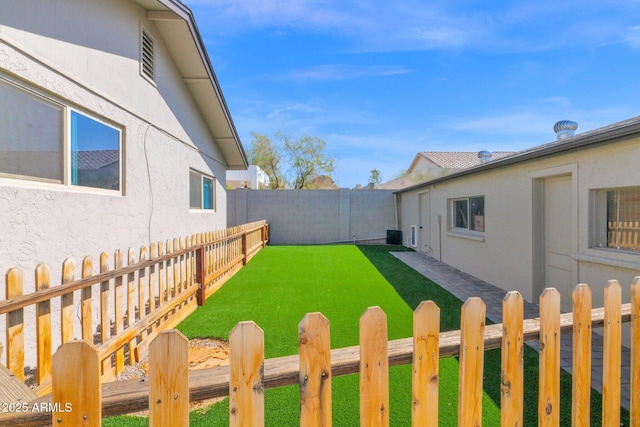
[(202, 194), (31, 135), (468, 214), (95, 153), (616, 219), (33, 145)]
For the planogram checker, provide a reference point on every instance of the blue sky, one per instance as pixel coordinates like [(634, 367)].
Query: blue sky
[(380, 81)]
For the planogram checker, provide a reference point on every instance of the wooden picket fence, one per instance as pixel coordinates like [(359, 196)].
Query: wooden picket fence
[(171, 386), (624, 235), (137, 301)]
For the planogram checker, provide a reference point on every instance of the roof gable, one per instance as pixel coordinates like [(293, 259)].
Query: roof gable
[(177, 27), (459, 159)]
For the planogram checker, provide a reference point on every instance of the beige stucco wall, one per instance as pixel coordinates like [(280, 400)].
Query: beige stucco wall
[(504, 256), (85, 55)]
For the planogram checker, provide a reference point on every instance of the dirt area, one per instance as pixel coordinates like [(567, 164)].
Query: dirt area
[(203, 353)]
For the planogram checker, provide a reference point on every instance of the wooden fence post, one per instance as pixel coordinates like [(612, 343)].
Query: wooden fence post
[(131, 305), (581, 368), (142, 279), (612, 354), (549, 371), (634, 383), (169, 380), (246, 365), (426, 362), (142, 305), (472, 324), (201, 274), (374, 368), (315, 371), (512, 377), (118, 289), (105, 309), (66, 304), (15, 324), (162, 277), (245, 249), (153, 253), (182, 285), (87, 301), (43, 326), (76, 393)]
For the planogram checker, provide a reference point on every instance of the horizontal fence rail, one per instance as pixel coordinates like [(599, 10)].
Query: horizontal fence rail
[(248, 374), (139, 294)]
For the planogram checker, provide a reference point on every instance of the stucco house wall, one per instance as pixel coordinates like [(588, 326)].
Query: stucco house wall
[(85, 57), (508, 253)]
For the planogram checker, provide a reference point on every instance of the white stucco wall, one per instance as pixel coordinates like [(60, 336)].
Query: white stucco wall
[(505, 255), (85, 55)]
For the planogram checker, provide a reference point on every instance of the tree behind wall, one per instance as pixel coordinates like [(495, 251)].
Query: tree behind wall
[(308, 158), (305, 157), (265, 154)]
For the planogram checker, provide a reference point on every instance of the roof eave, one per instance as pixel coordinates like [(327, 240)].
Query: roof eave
[(603, 135), (229, 143)]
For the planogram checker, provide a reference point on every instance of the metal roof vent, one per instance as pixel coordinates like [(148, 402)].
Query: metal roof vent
[(485, 156), (565, 129)]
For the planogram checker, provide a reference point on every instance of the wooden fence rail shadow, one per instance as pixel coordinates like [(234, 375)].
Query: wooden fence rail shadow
[(248, 374)]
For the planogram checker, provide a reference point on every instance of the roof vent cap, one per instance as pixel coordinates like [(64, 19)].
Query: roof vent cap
[(565, 129), (485, 156)]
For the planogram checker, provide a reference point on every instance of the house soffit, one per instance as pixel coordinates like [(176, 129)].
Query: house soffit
[(177, 28)]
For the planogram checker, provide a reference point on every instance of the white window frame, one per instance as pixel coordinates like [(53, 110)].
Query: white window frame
[(599, 236), (468, 232), (68, 151), (476, 228), (65, 138), (202, 177)]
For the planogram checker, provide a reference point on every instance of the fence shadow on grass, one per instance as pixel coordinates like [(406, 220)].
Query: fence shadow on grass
[(414, 288)]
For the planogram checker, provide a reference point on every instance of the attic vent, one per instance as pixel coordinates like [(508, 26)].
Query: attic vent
[(147, 56)]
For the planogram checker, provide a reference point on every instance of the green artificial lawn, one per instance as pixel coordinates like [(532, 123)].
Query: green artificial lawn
[(283, 283)]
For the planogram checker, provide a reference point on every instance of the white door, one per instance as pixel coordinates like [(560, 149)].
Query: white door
[(558, 264), (424, 244)]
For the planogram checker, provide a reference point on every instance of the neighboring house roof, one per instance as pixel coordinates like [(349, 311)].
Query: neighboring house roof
[(427, 165), (177, 27), (604, 135), (457, 159), (96, 159)]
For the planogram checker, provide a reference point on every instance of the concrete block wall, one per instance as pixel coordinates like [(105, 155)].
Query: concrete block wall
[(298, 217)]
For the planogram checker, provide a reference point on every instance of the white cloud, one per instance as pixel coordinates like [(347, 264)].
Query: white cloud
[(420, 24), (558, 101), (633, 37), (333, 72), (500, 124)]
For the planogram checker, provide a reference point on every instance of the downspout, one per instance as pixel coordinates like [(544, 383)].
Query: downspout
[(395, 209), (440, 237)]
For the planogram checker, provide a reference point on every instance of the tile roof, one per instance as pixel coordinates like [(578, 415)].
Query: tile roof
[(96, 159), (460, 159)]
